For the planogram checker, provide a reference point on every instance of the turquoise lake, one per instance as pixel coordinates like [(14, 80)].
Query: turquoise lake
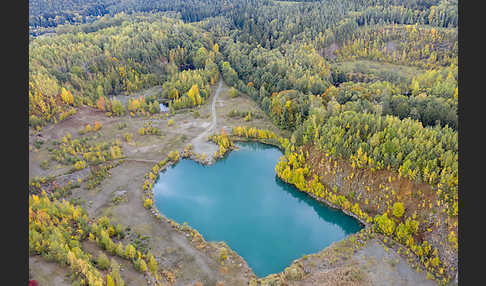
[(240, 200)]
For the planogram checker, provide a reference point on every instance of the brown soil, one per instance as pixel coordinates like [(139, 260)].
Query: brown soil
[(173, 248), (383, 188), (48, 273)]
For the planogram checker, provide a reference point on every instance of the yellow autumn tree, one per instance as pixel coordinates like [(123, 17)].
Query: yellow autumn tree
[(133, 105), (66, 96), (194, 95), (153, 264), (398, 209), (109, 280), (130, 252)]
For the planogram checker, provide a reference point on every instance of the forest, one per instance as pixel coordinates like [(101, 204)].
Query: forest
[(372, 85)]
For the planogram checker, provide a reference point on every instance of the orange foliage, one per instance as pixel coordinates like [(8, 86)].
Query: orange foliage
[(101, 104), (97, 126)]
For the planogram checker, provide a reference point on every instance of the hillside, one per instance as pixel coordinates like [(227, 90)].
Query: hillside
[(360, 96)]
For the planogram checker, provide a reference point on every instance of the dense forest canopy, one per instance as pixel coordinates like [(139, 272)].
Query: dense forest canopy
[(252, 14), (285, 54), (374, 83)]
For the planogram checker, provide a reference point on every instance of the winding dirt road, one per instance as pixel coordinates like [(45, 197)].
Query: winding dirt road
[(199, 143)]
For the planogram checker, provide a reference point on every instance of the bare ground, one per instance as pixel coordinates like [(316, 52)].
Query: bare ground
[(199, 143), (48, 273), (387, 268), (171, 247)]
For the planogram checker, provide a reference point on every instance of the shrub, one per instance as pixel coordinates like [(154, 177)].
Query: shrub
[(174, 156), (398, 209), (97, 126), (119, 249), (102, 261), (385, 225), (109, 280), (117, 107), (170, 122), (153, 264), (80, 165), (233, 92), (45, 164), (130, 252), (148, 203), (140, 265), (222, 255)]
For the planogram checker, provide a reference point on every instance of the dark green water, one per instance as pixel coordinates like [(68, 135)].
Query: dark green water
[(241, 201)]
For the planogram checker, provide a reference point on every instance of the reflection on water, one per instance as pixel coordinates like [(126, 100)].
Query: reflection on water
[(240, 200)]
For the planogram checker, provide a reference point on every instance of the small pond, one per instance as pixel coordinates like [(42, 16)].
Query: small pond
[(163, 107), (241, 201)]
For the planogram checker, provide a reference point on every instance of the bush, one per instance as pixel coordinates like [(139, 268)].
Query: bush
[(233, 92), (140, 265), (117, 107), (170, 122), (385, 225), (174, 156), (248, 117), (153, 264), (130, 252), (119, 249), (97, 126), (80, 165), (109, 281), (398, 209), (102, 261), (45, 165), (148, 203)]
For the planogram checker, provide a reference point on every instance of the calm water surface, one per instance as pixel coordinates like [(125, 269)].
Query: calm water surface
[(163, 107), (241, 201)]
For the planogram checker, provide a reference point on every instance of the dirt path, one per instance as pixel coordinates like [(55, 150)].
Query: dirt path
[(336, 265), (199, 143)]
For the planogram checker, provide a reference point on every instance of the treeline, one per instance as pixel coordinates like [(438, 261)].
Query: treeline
[(270, 23), (190, 88), (144, 51), (430, 98), (149, 50), (273, 23), (378, 142), (280, 81), (283, 85), (224, 143), (292, 168), (52, 13)]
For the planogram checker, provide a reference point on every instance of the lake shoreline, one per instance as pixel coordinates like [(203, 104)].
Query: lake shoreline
[(187, 228)]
